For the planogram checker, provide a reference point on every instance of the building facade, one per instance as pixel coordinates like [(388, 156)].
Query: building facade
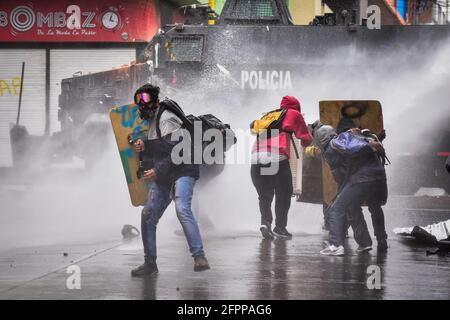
[(59, 39)]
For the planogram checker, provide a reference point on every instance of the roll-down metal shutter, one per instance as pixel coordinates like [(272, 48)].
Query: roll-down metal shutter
[(33, 100)]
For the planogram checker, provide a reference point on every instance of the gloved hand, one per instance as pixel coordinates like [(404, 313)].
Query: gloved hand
[(312, 151)]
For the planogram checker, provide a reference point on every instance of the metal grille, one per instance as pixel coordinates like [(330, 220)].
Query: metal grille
[(186, 48), (253, 9)]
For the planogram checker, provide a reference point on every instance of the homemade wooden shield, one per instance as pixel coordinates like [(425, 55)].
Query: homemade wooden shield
[(296, 165), (127, 125), (318, 185), (365, 115)]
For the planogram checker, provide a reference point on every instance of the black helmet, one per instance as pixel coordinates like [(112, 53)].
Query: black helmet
[(129, 231)]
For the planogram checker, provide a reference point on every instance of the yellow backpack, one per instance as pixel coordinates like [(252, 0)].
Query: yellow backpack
[(271, 120)]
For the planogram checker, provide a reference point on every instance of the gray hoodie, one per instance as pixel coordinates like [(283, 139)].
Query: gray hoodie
[(323, 134)]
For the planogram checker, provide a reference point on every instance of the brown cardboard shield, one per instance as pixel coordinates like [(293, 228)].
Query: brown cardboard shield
[(318, 185), (366, 114), (127, 125)]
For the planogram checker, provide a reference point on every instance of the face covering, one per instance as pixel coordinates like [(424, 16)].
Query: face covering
[(147, 111)]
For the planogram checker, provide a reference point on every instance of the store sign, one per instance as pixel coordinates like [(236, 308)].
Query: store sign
[(78, 20)]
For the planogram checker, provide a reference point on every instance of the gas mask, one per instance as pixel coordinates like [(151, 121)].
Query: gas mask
[(147, 106), (147, 112)]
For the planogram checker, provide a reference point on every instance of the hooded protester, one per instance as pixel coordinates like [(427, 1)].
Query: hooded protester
[(377, 197), (167, 181), (273, 151), (367, 172)]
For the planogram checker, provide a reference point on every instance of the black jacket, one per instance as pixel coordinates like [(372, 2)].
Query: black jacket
[(157, 155), (363, 166)]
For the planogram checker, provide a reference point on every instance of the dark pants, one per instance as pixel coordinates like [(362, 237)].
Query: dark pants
[(379, 228), (347, 209), (377, 215), (376, 198), (268, 186)]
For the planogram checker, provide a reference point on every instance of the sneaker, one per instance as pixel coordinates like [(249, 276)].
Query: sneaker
[(282, 233), (382, 245), (266, 232), (363, 249), (146, 269), (201, 264), (333, 251)]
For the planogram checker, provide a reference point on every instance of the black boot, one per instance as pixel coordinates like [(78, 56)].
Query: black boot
[(147, 269), (266, 231), (200, 263), (282, 233)]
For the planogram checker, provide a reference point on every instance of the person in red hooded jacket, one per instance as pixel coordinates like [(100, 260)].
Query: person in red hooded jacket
[(270, 170)]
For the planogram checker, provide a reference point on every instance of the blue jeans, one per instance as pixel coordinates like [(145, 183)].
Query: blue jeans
[(158, 199), (347, 208)]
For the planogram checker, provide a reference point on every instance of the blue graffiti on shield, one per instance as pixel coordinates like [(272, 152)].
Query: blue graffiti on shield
[(128, 120), (129, 115)]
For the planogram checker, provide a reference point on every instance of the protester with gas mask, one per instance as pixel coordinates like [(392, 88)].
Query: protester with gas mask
[(167, 181)]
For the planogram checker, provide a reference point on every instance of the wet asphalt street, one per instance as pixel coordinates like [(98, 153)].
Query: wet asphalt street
[(243, 267), (37, 249)]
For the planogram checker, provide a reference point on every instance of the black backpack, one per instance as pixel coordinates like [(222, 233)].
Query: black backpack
[(208, 121)]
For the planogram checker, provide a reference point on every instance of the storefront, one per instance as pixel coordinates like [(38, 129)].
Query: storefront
[(59, 39)]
